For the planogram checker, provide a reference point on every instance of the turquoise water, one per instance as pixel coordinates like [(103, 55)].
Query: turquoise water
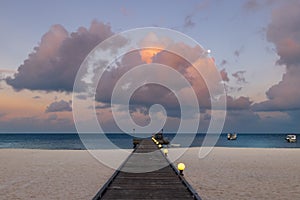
[(72, 141)]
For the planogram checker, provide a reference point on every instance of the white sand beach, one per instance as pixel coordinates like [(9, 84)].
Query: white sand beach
[(244, 173), (226, 173), (50, 174)]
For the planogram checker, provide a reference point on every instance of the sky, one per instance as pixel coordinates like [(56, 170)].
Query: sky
[(255, 45)]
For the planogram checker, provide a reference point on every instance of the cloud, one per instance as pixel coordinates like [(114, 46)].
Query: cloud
[(241, 103), (52, 117), (256, 5), (150, 94), (81, 96), (146, 96), (153, 93), (4, 73), (284, 33), (239, 75), (53, 64), (188, 22), (284, 96), (224, 62), (36, 97), (59, 106), (251, 5), (102, 106), (7, 71), (224, 75), (124, 11), (200, 7), (238, 52)]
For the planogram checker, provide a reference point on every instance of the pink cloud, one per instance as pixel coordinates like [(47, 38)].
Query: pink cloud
[(284, 32), (151, 93), (53, 65)]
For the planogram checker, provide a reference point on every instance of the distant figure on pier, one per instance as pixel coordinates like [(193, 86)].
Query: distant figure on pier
[(157, 136), (160, 137)]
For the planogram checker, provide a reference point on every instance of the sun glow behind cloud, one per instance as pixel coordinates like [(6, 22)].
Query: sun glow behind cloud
[(35, 91), (147, 55)]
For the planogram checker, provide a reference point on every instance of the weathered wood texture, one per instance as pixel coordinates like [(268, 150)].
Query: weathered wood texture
[(164, 183)]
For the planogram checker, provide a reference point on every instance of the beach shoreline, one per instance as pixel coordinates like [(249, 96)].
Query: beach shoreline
[(226, 173)]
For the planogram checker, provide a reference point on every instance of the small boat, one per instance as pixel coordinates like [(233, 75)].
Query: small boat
[(291, 138), (231, 136)]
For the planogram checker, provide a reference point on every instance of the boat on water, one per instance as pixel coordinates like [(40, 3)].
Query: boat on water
[(231, 136), (291, 138)]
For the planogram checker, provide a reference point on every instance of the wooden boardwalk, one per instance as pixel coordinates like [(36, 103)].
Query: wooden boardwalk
[(131, 182)]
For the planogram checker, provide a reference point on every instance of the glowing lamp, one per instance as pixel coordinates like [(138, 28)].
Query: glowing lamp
[(181, 167), (166, 152), (159, 146)]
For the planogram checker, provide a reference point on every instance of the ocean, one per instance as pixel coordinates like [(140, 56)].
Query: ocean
[(72, 140)]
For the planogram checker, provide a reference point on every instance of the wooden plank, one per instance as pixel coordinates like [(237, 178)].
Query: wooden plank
[(164, 183)]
